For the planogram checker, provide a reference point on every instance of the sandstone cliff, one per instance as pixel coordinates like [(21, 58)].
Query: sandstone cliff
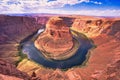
[(13, 29), (95, 27)]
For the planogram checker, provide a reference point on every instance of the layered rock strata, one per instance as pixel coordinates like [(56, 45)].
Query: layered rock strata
[(56, 41)]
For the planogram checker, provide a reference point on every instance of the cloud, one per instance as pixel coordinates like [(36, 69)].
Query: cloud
[(9, 6), (41, 3), (51, 6), (28, 5), (95, 2), (35, 4)]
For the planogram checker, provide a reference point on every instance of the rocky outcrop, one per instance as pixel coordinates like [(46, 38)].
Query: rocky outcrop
[(93, 27), (113, 29), (56, 40), (6, 77), (113, 71), (58, 29), (10, 70)]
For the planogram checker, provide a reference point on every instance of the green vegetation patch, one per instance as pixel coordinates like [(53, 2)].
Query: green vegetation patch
[(21, 57)]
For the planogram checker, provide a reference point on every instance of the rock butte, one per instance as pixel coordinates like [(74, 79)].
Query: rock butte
[(56, 41)]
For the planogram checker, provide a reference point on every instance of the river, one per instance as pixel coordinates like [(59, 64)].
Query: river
[(77, 59)]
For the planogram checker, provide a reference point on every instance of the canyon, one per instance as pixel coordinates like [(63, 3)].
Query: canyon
[(103, 61)]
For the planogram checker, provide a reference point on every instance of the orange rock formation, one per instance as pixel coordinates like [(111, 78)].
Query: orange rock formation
[(56, 39)]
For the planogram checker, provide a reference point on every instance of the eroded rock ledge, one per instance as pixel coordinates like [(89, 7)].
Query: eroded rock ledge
[(56, 41)]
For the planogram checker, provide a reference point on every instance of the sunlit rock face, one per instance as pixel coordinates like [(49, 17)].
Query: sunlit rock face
[(56, 40), (91, 27)]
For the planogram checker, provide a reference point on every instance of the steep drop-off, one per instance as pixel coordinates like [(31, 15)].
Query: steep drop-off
[(13, 29)]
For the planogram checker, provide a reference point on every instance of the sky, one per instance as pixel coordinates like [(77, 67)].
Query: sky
[(78, 7)]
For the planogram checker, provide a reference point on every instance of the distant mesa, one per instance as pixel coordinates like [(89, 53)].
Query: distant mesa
[(56, 41)]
